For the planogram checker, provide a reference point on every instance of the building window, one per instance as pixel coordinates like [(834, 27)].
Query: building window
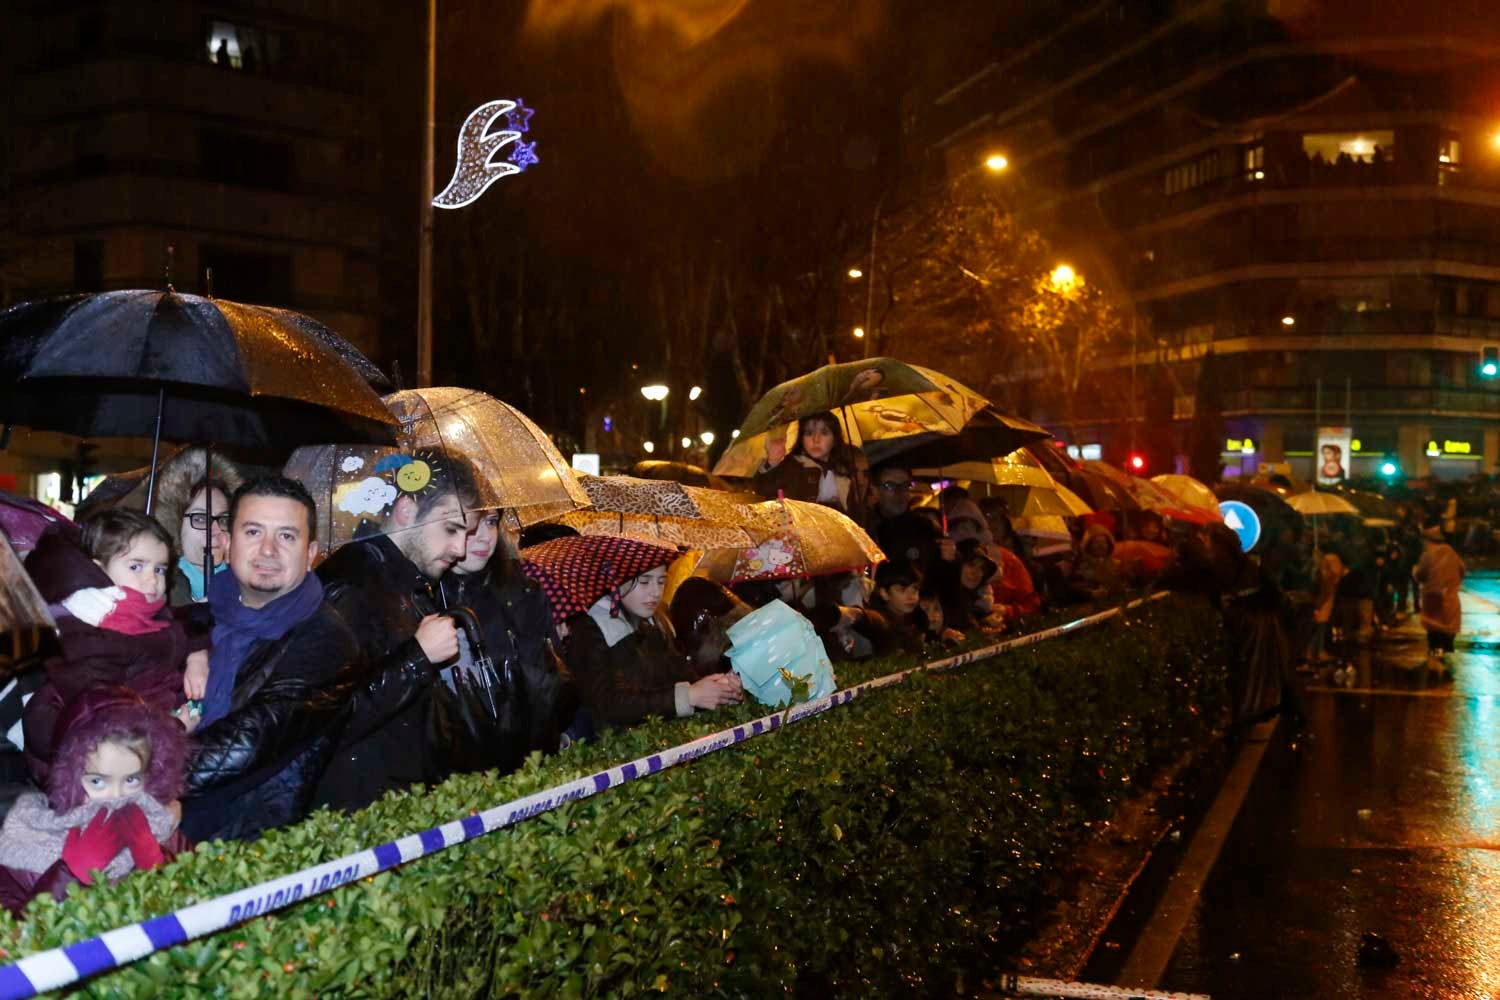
[(234, 158), (1349, 148), (1449, 159), (248, 275), (1193, 173), (88, 265), (239, 47), (1253, 162)]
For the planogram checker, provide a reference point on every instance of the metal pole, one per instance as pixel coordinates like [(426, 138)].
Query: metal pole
[(161, 405), (424, 258), (1133, 320), (870, 277)]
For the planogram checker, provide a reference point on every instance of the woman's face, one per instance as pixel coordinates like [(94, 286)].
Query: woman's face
[(481, 544), (817, 441), (216, 531), (972, 574), (641, 596)]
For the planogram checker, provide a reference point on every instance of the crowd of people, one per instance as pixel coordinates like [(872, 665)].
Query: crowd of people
[(217, 676)]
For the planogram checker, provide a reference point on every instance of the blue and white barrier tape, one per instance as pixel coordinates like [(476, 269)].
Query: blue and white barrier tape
[(50, 970)]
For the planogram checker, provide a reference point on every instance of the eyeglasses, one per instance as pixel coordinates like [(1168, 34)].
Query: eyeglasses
[(199, 520), (896, 487)]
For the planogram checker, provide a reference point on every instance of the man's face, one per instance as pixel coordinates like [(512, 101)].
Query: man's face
[(482, 542), (441, 539), (894, 489), (270, 548)]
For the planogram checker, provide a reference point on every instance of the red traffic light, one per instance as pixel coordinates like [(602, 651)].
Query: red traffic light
[(1137, 463)]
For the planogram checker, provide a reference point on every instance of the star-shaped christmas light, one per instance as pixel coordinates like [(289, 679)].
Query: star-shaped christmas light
[(518, 119), (523, 154)]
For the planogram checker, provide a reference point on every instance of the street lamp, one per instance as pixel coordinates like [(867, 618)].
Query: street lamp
[(656, 393), (687, 443), (1064, 277), (707, 437), (996, 162), (649, 446), (859, 333), (735, 433), (694, 393), (1288, 321), (855, 272)]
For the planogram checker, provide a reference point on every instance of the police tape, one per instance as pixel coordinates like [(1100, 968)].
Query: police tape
[(59, 967), (1027, 986)]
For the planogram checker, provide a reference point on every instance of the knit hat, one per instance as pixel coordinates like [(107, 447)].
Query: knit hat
[(103, 711)]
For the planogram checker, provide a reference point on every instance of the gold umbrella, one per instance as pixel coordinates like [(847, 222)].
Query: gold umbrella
[(720, 519), (1019, 468), (517, 464)]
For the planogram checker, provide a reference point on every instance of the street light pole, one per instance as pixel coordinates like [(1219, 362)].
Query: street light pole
[(424, 252), (870, 277)]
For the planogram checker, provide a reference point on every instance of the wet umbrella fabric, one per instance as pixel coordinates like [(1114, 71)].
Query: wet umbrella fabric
[(516, 463), (575, 572), (1020, 468), (879, 401), (988, 434), (130, 363), (723, 520), (811, 540), (1187, 490), (24, 618), (679, 472), (1320, 504)]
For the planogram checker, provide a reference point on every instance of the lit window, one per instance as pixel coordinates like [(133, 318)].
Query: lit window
[(235, 46), (1254, 162), (1349, 147), (1449, 159)]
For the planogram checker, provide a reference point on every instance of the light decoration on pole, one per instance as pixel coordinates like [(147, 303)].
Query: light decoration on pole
[(707, 437), (655, 393), (479, 161), (687, 443)]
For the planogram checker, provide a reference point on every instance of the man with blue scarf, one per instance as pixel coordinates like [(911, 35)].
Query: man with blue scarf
[(279, 691)]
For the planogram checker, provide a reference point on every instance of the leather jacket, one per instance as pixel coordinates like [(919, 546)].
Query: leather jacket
[(382, 597)]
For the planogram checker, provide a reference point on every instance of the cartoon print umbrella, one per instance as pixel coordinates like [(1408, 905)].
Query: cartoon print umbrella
[(880, 401), (575, 572)]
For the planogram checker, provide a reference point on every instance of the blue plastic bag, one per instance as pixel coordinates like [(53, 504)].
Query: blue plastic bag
[(774, 638)]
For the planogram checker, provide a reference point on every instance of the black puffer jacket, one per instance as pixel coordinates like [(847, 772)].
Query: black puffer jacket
[(382, 597), (255, 769), (516, 619)]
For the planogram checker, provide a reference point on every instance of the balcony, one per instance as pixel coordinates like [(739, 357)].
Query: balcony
[(1366, 400)]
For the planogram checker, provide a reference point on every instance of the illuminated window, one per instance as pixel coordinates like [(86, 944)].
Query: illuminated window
[(1338, 148), (1253, 162), (249, 50), (1449, 159)]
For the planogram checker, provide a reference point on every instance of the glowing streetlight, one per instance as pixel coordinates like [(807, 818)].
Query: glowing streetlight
[(687, 442), (695, 392), (855, 272), (859, 333), (1288, 321), (649, 446), (734, 433), (655, 393), (996, 162), (1064, 277), (707, 437)]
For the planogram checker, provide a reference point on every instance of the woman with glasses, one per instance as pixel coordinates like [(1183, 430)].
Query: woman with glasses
[(193, 506)]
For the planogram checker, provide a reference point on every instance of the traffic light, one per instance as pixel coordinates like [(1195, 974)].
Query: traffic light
[(1389, 469), (1489, 362), (1137, 463)]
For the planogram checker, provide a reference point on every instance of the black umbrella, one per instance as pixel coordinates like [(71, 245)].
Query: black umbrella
[(990, 434), (187, 368)]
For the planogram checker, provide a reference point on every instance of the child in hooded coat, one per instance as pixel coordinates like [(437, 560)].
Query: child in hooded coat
[(110, 805), (111, 632)]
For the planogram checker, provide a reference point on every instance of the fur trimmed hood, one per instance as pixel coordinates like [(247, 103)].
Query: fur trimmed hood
[(174, 477), (99, 712)]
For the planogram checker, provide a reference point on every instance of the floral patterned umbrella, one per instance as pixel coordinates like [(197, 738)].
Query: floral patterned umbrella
[(575, 572)]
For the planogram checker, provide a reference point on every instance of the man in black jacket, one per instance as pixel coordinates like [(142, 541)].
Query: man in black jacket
[(281, 672), (382, 586)]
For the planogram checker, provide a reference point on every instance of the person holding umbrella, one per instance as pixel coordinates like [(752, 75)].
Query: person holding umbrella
[(382, 584), (624, 667), (820, 467)]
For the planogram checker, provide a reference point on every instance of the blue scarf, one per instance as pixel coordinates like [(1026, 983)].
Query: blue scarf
[(194, 573), (237, 629)]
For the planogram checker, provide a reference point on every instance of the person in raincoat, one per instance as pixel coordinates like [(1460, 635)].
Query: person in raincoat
[(1439, 573), (819, 469), (626, 669), (1095, 575)]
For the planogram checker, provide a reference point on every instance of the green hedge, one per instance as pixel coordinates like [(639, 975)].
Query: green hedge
[(898, 844)]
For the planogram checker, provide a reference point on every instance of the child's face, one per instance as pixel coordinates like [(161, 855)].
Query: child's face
[(142, 566), (645, 594), (901, 598), (817, 440), (972, 574), (112, 772), (933, 609)]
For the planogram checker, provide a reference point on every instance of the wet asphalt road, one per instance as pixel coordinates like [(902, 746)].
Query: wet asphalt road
[(1387, 819)]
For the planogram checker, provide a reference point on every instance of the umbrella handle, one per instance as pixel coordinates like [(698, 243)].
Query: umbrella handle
[(161, 405)]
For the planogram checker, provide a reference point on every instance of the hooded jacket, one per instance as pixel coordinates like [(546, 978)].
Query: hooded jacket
[(625, 673), (37, 826), (150, 664), (256, 768), (382, 597), (800, 477)]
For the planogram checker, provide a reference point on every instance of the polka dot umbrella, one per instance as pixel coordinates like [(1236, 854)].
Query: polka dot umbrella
[(575, 572)]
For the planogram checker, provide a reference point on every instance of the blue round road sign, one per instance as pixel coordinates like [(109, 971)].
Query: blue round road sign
[(1240, 518)]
